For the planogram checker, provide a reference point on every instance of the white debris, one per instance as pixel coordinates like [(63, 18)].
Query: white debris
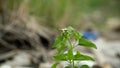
[(5, 66)]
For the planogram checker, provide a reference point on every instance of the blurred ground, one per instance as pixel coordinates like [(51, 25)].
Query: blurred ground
[(110, 51)]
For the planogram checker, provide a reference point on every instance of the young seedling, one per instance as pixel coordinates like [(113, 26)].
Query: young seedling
[(66, 42)]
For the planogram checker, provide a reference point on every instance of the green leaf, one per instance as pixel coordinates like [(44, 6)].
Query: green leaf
[(58, 40), (55, 65), (77, 35), (70, 54), (66, 35), (67, 67), (61, 47), (80, 57), (67, 32), (70, 66), (60, 57), (76, 67), (66, 56), (70, 30), (84, 42), (84, 66)]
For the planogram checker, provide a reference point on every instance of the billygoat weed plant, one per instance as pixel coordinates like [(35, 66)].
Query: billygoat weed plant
[(63, 43)]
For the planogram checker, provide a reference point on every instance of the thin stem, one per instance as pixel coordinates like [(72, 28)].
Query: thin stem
[(73, 63), (70, 62), (70, 43)]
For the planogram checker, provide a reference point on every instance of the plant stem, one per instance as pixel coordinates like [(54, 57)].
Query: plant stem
[(73, 63), (70, 43)]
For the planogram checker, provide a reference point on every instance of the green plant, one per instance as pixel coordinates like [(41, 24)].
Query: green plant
[(67, 41)]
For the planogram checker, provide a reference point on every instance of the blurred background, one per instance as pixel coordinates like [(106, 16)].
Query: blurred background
[(28, 29)]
